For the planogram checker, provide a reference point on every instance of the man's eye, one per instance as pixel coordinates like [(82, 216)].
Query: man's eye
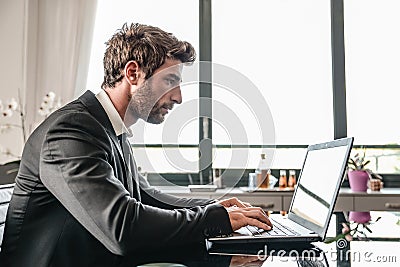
[(170, 82)]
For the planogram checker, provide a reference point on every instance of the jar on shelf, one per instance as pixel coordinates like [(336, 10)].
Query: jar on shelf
[(282, 179), (292, 179), (263, 172)]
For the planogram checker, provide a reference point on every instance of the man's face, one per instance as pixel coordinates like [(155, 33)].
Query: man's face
[(152, 100)]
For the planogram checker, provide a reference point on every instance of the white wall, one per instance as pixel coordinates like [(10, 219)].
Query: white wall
[(44, 47), (12, 20)]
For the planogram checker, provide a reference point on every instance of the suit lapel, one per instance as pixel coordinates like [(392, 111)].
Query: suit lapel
[(94, 107), (118, 147), (96, 110)]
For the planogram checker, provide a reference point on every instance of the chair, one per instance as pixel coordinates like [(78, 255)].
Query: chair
[(5, 197), (8, 172)]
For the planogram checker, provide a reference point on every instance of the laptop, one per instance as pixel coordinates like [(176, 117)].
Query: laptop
[(313, 200)]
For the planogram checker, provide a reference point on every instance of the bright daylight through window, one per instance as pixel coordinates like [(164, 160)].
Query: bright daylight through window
[(284, 49)]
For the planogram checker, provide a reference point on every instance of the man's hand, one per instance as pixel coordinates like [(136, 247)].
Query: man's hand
[(254, 216), (233, 202)]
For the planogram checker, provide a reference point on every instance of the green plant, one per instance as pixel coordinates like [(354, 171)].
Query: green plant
[(358, 162)]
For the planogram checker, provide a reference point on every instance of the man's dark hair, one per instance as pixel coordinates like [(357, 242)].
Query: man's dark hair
[(147, 45)]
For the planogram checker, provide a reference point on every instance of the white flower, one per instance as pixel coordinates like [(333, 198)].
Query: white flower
[(44, 105), (7, 113), (49, 104), (12, 104), (43, 111), (49, 96)]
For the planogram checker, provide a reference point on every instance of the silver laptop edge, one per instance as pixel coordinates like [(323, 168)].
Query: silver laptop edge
[(321, 231), (316, 232)]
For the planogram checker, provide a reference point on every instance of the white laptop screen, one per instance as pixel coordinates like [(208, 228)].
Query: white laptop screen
[(316, 189)]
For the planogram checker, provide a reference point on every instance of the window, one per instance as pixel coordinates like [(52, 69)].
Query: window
[(372, 66), (284, 48), (372, 80), (272, 80)]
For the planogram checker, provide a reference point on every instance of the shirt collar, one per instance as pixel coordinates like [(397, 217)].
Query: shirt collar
[(116, 121)]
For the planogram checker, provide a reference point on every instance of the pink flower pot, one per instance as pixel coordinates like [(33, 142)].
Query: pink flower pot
[(358, 180), (359, 216)]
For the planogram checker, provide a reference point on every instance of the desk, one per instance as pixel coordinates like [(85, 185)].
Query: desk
[(388, 199), (354, 254)]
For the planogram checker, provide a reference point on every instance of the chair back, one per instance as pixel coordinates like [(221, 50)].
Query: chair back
[(5, 197), (8, 172)]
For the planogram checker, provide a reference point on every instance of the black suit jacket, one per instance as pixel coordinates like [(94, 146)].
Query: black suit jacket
[(71, 205)]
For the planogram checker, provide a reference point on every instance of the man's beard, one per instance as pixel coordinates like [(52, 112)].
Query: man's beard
[(144, 105)]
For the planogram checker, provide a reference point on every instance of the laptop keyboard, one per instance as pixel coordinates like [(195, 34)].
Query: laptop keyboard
[(277, 230)]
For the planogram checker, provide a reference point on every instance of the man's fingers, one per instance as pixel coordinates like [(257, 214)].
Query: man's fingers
[(257, 223), (235, 201), (247, 204), (240, 217), (232, 208), (259, 213), (256, 214)]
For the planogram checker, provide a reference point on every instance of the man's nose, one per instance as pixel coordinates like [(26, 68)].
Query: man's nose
[(176, 95)]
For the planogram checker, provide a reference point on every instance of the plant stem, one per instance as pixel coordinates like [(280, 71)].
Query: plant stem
[(22, 115)]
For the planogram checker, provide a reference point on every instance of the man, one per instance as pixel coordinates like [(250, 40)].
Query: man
[(78, 198)]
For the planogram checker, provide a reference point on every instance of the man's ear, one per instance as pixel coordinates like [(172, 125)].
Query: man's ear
[(132, 72)]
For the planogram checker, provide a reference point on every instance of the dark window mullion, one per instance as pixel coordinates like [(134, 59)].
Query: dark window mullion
[(205, 94), (338, 70)]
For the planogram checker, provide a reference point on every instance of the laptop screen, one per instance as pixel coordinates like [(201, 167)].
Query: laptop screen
[(316, 191)]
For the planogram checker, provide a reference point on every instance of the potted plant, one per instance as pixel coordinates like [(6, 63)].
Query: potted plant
[(358, 174)]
